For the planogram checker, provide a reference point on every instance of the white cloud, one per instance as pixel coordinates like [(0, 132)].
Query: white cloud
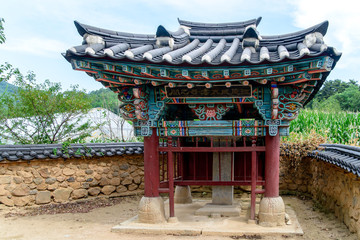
[(34, 45), (344, 30)]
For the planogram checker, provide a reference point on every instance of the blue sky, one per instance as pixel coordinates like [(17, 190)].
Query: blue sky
[(38, 31)]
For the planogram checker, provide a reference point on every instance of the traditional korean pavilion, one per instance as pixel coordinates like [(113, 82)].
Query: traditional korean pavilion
[(211, 101)]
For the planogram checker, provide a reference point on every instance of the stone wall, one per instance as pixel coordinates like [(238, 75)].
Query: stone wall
[(61, 180), (297, 177), (332, 188), (338, 191)]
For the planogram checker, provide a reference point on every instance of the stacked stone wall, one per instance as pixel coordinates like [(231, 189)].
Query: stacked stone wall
[(59, 180), (295, 178), (332, 188)]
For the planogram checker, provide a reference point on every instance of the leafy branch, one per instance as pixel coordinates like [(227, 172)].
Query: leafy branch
[(2, 35), (43, 113)]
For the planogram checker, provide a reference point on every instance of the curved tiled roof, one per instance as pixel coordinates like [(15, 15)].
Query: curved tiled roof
[(346, 157), (199, 43), (46, 151), (243, 24)]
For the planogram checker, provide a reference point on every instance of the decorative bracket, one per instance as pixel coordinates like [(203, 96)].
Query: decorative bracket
[(141, 103), (146, 131), (210, 111), (289, 105), (259, 104), (275, 122), (274, 100), (273, 130), (127, 111)]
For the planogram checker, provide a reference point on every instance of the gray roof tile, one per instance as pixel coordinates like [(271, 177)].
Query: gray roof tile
[(143, 46), (54, 151), (344, 156)]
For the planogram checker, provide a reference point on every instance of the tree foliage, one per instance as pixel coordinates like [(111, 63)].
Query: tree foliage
[(105, 98), (331, 88), (43, 113), (349, 100), (4, 67), (40, 113), (2, 34), (337, 95), (4, 86), (115, 126)]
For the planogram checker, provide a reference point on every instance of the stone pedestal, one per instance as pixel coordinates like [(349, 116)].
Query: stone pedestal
[(272, 212), (213, 210), (151, 210), (222, 195), (182, 194)]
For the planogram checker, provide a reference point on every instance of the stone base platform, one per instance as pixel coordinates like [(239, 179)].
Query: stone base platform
[(214, 210), (188, 224)]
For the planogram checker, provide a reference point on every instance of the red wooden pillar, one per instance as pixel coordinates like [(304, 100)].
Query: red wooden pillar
[(253, 184), (253, 180), (171, 183), (272, 160), (151, 165)]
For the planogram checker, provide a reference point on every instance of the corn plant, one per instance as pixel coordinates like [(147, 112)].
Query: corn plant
[(336, 127)]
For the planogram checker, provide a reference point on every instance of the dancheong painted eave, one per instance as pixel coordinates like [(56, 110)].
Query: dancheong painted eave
[(203, 44)]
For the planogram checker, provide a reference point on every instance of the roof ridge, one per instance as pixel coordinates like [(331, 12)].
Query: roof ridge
[(320, 27), (242, 24), (84, 28)]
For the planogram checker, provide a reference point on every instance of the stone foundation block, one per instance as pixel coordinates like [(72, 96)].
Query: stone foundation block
[(21, 190), (94, 191), (21, 201), (182, 194), (6, 201), (151, 210), (62, 194), (214, 210), (79, 193), (43, 197), (272, 212), (5, 179), (107, 190)]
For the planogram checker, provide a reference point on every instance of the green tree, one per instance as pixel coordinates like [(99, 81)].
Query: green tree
[(2, 35), (349, 99), (105, 98), (4, 86), (4, 67), (331, 88), (337, 94), (330, 104), (42, 113), (6, 70), (113, 123)]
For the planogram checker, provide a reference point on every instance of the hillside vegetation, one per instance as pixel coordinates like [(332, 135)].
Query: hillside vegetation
[(4, 86)]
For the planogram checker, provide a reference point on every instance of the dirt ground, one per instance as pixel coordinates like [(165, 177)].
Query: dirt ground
[(93, 219)]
